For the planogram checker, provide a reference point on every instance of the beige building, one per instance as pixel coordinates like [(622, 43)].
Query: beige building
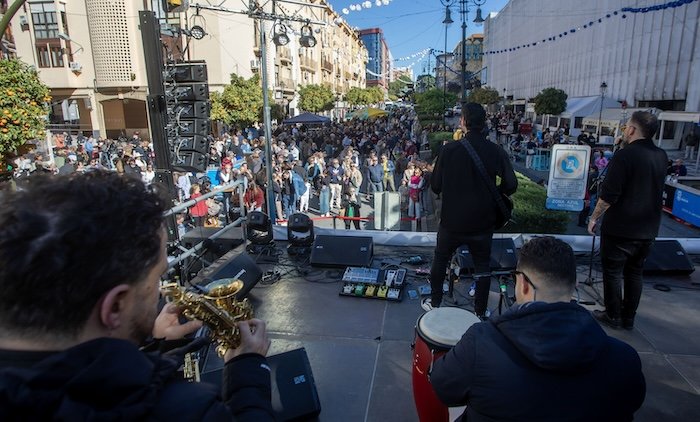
[(90, 54)]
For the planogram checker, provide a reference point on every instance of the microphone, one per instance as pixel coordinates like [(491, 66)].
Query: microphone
[(206, 244)]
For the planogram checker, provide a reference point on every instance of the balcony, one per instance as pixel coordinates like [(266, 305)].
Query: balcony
[(284, 55), (307, 63), (286, 84), (327, 65), (347, 75)]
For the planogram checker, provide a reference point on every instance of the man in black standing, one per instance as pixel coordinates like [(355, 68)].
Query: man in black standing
[(469, 211), (631, 200)]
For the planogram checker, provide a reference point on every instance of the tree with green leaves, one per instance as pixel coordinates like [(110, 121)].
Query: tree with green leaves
[(24, 105), (359, 96), (425, 82), (315, 98), (483, 95), (397, 88), (550, 101), (431, 101), (240, 102)]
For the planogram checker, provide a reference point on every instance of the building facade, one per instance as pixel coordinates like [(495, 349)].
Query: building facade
[(647, 58), (90, 54), (379, 65)]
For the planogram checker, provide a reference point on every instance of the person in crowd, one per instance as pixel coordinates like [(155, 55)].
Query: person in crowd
[(199, 210), (415, 187), (375, 171), (469, 211), (691, 142), (350, 207), (324, 193), (388, 169), (287, 191), (72, 324), (336, 174), (254, 198), (630, 198), (148, 175), (546, 353), (677, 168), (530, 151)]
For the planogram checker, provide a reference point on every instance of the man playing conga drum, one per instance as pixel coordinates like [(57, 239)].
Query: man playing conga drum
[(544, 357)]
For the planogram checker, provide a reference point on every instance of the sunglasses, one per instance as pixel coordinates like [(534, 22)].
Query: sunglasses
[(527, 280)]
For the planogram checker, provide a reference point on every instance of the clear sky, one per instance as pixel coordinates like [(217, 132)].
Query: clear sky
[(410, 26)]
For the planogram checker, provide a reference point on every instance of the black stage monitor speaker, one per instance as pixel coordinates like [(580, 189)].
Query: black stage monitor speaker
[(234, 264), (294, 395), (341, 251), (503, 254), (231, 239), (503, 257), (668, 257)]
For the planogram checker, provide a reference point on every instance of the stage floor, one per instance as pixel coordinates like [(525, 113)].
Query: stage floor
[(360, 349)]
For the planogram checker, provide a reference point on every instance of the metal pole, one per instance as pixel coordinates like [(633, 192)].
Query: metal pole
[(463, 63), (600, 114), (266, 121), (444, 79)]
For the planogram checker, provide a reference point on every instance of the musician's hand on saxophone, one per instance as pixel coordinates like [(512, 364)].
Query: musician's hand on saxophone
[(167, 325), (253, 339)]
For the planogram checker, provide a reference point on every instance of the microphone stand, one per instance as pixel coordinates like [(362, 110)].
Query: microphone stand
[(206, 244)]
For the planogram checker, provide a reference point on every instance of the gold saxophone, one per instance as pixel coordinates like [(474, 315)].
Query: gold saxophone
[(217, 308)]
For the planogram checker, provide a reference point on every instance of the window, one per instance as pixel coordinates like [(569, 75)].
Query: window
[(48, 44), (44, 20)]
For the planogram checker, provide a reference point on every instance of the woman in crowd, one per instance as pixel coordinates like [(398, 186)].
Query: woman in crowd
[(415, 185), (199, 210)]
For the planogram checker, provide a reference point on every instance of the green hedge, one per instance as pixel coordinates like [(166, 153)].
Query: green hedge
[(436, 139), (530, 214)]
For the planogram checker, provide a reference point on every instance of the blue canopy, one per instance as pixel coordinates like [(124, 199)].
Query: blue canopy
[(307, 118)]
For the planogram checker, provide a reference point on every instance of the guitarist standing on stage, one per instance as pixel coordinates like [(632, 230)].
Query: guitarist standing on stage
[(469, 213)]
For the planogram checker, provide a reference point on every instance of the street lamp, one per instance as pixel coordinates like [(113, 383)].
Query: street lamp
[(463, 11), (447, 21), (603, 89)]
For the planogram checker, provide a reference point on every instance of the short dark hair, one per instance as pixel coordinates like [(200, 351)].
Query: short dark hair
[(474, 116), (67, 240), (552, 259), (647, 122)]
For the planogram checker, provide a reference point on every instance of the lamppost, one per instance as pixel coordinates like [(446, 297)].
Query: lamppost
[(603, 89), (463, 11), (447, 21)]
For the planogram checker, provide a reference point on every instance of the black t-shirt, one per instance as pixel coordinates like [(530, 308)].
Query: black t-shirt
[(633, 187)]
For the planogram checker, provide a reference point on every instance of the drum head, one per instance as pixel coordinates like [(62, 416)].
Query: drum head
[(443, 327)]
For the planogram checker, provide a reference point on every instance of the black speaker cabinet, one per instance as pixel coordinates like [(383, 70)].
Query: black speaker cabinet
[(342, 251), (503, 257), (294, 395), (668, 257), (234, 264)]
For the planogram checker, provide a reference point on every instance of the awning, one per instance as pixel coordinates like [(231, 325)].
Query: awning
[(307, 118), (680, 116), (583, 106), (612, 117)]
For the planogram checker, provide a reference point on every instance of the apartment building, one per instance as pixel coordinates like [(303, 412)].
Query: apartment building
[(90, 54), (380, 63)]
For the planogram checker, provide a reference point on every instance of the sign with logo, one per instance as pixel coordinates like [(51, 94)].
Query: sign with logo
[(686, 206), (568, 174)]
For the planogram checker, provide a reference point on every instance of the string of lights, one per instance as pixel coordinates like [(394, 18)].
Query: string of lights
[(621, 13), (367, 4)]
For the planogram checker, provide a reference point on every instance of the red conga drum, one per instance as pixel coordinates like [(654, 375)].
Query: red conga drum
[(437, 331)]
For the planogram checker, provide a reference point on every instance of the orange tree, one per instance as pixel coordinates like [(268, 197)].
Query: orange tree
[(24, 106)]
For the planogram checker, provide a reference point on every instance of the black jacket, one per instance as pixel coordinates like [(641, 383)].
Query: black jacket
[(541, 362), (467, 204), (634, 188), (112, 380)]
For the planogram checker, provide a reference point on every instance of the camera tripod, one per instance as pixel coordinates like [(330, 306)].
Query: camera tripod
[(591, 281)]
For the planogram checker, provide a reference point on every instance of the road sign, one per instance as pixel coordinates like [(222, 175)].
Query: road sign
[(568, 174)]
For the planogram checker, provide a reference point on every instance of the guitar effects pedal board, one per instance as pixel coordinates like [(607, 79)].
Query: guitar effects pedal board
[(373, 283)]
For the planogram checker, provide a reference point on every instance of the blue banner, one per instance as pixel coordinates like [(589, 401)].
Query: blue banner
[(686, 206)]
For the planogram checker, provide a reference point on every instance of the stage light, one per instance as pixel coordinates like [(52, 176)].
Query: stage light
[(197, 32), (307, 38), (280, 36), (259, 232), (300, 234)]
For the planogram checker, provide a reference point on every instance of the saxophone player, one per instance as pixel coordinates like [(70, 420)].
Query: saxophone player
[(80, 263)]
